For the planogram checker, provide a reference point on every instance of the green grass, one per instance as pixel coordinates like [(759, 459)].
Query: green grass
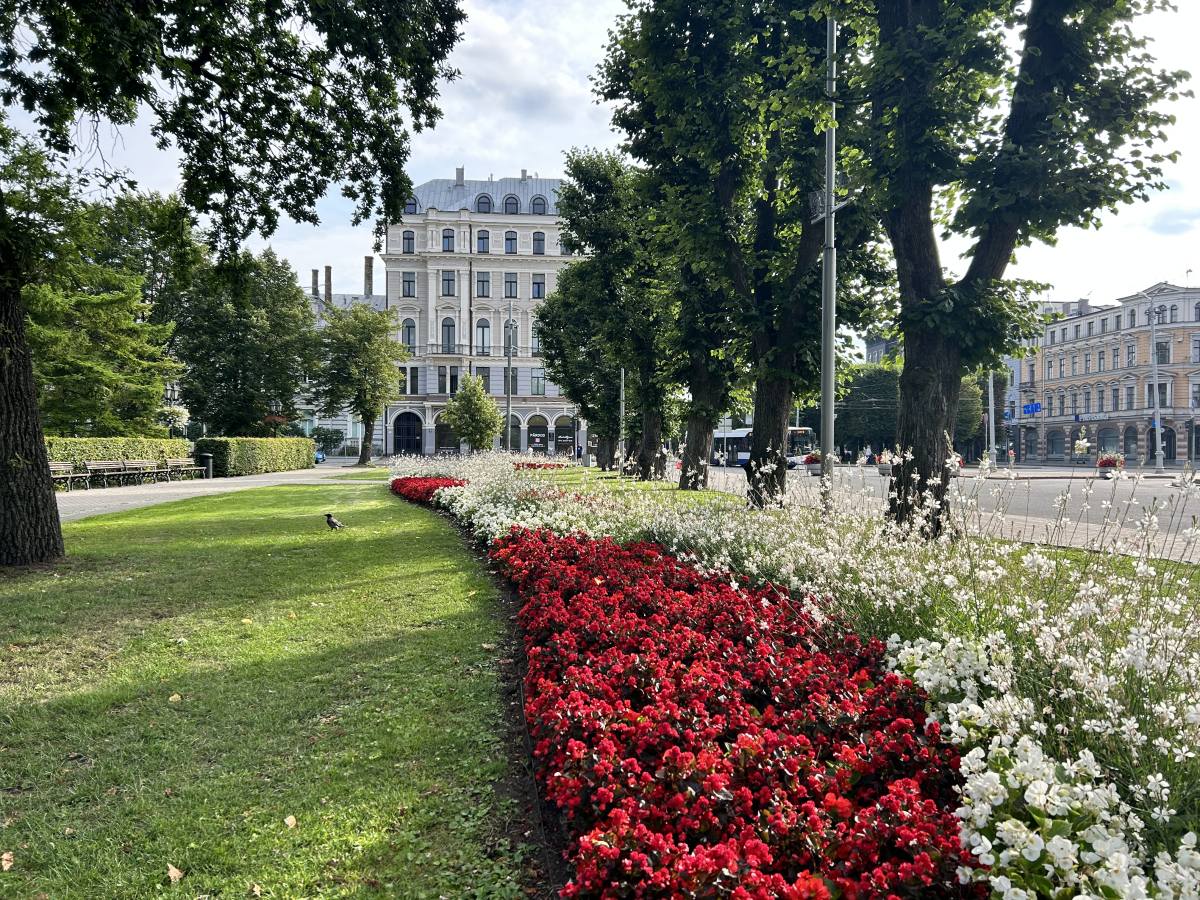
[(365, 475), (199, 671)]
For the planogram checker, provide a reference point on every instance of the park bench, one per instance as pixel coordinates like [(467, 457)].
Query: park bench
[(184, 467), (106, 469), (143, 467), (65, 471)]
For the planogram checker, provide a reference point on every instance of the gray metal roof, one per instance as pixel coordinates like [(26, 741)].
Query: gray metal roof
[(444, 194), (345, 301)]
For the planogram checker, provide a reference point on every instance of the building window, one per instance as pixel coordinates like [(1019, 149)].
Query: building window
[(483, 284), (410, 242), (510, 242), (1116, 399), (1196, 310), (1074, 365), (441, 379), (1130, 355), (1104, 326), (485, 378), (483, 204), (563, 250), (1077, 332), (483, 338), (510, 284), (483, 242), (539, 206), (510, 338), (510, 382), (1116, 323), (535, 343), (1062, 408), (1087, 363), (1162, 395), (539, 287), (539, 243), (413, 385), (1099, 400), (408, 282), (1116, 357), (410, 207), (1129, 395), (511, 206), (408, 335), (1160, 315), (447, 336), (1049, 369), (1062, 367), (1091, 327), (1099, 360), (1196, 349), (1074, 404), (1195, 396), (447, 240), (1087, 401), (447, 283), (1163, 352), (537, 382), (454, 379), (1052, 339), (1174, 313), (1055, 444)]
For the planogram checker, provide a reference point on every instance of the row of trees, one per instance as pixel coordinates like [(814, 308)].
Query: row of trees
[(998, 122)]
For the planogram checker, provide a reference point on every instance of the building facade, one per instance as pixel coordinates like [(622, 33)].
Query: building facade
[(464, 253), (1091, 372)]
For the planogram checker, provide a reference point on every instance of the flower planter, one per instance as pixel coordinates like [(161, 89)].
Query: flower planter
[(813, 468), (885, 469)]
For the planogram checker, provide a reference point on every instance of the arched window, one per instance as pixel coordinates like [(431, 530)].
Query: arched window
[(1160, 315), (511, 206), (1197, 312), (448, 335), (1056, 444), (447, 240), (1130, 439), (539, 243), (408, 336), (510, 242), (410, 206), (410, 244), (510, 338), (483, 338), (485, 242), (1174, 313), (483, 204), (539, 206)]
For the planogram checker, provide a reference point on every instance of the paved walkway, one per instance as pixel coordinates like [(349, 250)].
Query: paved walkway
[(79, 503)]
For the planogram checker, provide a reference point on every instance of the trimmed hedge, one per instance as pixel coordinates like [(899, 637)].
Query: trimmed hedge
[(255, 456), (76, 450)]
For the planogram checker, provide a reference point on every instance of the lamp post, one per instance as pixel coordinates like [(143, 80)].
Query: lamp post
[(508, 335), (1158, 425), (829, 268), (275, 407)]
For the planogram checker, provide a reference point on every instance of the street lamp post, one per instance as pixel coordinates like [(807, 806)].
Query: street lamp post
[(508, 333), (1158, 424), (829, 269), (276, 407)]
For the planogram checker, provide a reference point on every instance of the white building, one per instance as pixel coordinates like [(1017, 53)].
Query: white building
[(464, 253)]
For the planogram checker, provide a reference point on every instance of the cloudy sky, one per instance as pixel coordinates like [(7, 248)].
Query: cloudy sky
[(524, 98)]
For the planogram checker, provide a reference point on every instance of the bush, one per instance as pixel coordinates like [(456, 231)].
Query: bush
[(255, 456), (328, 439), (77, 450)]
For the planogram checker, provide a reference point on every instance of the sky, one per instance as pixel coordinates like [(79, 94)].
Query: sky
[(524, 98)]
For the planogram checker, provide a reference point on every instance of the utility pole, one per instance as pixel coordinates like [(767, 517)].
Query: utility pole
[(991, 422), (621, 439), (829, 263), (1158, 425), (508, 339)]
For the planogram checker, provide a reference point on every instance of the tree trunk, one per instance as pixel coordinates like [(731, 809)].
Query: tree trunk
[(652, 462), (929, 387), (29, 526), (364, 449), (605, 452), (766, 470), (693, 474)]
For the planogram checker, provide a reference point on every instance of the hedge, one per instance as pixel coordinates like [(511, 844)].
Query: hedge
[(254, 456), (76, 450)]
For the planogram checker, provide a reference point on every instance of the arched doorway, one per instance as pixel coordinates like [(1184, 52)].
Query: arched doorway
[(1130, 441), (1168, 445), (444, 438), (1030, 444), (514, 435), (539, 434), (406, 431), (1055, 445), (564, 436), (1107, 440)]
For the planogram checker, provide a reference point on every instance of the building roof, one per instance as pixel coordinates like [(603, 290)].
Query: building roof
[(444, 194), (345, 301)]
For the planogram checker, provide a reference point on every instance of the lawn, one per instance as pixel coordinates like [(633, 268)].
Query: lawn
[(220, 697)]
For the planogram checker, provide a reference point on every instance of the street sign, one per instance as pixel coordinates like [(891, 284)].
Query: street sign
[(1008, 417), (1030, 408)]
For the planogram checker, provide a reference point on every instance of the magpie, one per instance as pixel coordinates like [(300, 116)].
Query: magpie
[(333, 523)]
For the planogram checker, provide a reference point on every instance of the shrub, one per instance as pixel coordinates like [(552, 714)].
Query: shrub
[(255, 456), (77, 450), (328, 439), (421, 490)]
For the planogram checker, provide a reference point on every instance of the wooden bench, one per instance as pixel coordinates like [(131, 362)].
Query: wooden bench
[(106, 469), (143, 467), (183, 467), (64, 471)]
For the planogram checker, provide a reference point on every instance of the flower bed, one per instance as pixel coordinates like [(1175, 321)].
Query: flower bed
[(421, 490), (534, 466), (703, 739)]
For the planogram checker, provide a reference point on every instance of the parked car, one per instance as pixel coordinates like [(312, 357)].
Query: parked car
[(320, 456)]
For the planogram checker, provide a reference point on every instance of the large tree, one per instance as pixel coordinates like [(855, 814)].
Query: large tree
[(473, 415), (268, 102), (1003, 122), (359, 366), (723, 102), (244, 335)]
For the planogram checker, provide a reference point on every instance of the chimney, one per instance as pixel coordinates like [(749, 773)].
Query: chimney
[(1084, 306), (328, 285), (368, 274), (524, 174), (316, 282), (458, 176)]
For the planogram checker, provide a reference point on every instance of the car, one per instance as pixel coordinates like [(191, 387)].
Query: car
[(320, 456)]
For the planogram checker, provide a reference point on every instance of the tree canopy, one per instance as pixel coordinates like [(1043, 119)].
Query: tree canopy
[(473, 415)]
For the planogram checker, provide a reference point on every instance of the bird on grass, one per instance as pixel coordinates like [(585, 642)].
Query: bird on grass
[(333, 523)]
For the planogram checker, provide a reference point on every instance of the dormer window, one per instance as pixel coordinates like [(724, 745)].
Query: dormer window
[(538, 208), (483, 204), (410, 206), (511, 206)]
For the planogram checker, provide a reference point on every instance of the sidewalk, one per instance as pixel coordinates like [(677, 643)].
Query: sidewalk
[(80, 503)]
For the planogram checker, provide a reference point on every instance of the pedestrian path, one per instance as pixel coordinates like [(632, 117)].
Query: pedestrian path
[(79, 503)]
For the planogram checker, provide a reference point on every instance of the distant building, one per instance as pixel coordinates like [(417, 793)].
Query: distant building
[(879, 348)]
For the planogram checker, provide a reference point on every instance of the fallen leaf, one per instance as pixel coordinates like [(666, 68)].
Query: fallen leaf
[(247, 621), (173, 873), (255, 890), (68, 831), (488, 646), (6, 823), (6, 860), (291, 615), (110, 792), (290, 821), (14, 648), (174, 698)]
